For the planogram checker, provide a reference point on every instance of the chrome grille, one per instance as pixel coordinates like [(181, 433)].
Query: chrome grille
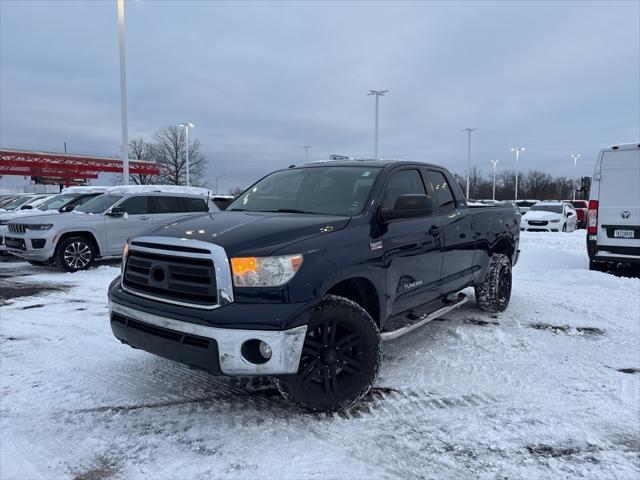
[(17, 228), (191, 273)]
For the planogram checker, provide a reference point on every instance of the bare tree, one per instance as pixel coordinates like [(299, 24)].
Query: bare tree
[(169, 153), (139, 149)]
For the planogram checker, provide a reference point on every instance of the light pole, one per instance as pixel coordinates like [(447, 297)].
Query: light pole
[(378, 94), (517, 150), (124, 152), (574, 157), (219, 176), (306, 152), (494, 163), (468, 130), (187, 126)]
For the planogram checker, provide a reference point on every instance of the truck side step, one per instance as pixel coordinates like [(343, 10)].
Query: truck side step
[(426, 318)]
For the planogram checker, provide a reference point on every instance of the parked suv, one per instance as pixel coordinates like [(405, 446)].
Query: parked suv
[(308, 271), (100, 227), (613, 221), (64, 202)]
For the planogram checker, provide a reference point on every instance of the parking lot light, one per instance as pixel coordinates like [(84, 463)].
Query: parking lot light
[(187, 126), (517, 151)]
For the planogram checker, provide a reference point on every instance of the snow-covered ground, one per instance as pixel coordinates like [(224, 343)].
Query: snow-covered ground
[(548, 389)]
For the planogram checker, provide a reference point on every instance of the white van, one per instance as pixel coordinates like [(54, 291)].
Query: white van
[(613, 219)]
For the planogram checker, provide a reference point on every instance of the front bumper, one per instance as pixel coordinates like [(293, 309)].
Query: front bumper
[(24, 245), (196, 337)]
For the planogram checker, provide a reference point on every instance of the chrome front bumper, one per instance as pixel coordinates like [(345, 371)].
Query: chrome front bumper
[(286, 345)]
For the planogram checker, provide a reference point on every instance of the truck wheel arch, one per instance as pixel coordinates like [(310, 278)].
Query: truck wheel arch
[(505, 247), (360, 290)]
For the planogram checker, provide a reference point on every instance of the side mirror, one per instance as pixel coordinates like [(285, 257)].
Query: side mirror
[(117, 212), (26, 207), (408, 206), (569, 213), (67, 208)]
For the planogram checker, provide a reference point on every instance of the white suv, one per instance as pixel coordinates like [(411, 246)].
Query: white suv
[(613, 219)]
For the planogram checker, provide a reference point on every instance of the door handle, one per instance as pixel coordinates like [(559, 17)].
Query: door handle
[(144, 218), (434, 230)]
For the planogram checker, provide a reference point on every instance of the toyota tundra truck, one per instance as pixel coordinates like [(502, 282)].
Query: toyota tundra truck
[(309, 271)]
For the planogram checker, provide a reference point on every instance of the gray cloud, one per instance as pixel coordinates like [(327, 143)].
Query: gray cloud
[(261, 79)]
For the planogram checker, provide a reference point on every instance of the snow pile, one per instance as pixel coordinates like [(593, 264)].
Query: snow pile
[(85, 189), (548, 389), (176, 189)]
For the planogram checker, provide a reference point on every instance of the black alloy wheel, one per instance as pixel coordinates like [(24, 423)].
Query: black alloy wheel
[(340, 357)]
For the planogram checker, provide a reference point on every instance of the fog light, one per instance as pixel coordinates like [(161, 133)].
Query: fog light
[(265, 350)]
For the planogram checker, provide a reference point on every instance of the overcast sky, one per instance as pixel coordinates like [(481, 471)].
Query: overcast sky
[(259, 80)]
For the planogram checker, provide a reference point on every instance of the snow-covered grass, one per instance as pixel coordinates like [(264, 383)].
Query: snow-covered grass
[(545, 390)]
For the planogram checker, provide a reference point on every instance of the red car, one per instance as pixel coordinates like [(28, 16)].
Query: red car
[(581, 206)]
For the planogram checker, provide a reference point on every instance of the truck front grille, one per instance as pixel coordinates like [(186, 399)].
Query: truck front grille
[(17, 228), (177, 279)]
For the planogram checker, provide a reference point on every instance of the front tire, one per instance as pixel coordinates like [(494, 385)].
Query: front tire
[(340, 358), (76, 253), (494, 293)]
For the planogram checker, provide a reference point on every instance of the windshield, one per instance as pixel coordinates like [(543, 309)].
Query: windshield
[(580, 204), (16, 202), (547, 208), (56, 202), (319, 190), (98, 204)]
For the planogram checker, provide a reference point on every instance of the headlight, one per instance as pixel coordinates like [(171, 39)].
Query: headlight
[(264, 271), (44, 226), (555, 221), (125, 252)]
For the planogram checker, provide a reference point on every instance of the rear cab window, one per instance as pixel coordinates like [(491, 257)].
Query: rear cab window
[(445, 198)]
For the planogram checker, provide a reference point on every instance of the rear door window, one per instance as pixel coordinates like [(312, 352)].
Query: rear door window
[(162, 204), (444, 196)]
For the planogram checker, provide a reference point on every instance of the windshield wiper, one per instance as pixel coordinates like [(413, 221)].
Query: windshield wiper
[(237, 210)]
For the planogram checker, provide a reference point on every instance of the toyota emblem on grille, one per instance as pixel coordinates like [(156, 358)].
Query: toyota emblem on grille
[(157, 274), (625, 214)]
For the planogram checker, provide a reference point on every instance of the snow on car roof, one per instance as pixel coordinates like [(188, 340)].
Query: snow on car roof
[(176, 189), (84, 189)]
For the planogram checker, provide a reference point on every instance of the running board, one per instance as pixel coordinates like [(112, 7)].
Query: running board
[(462, 299)]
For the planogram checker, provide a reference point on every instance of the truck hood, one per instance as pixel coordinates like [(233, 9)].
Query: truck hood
[(540, 215), (252, 233)]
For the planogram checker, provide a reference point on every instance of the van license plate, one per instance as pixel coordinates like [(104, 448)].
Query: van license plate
[(623, 233)]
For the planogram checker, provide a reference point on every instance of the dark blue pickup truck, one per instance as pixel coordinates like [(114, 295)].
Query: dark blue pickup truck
[(308, 271)]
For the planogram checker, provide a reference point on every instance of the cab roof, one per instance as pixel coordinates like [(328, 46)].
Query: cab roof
[(367, 163)]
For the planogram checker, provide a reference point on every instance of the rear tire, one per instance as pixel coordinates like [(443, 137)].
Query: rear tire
[(76, 253), (494, 293), (340, 358)]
